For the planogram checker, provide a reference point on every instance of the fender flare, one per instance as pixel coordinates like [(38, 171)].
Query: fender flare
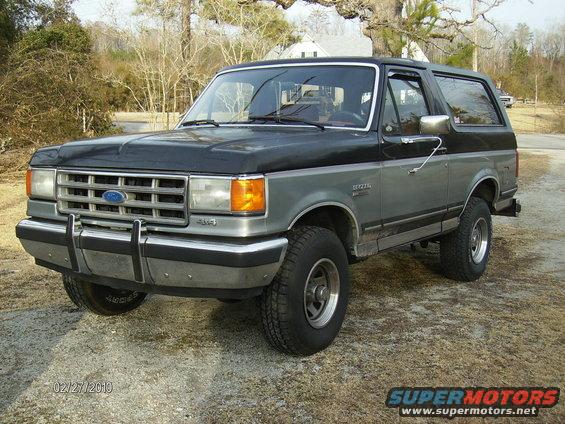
[(342, 206), (481, 180)]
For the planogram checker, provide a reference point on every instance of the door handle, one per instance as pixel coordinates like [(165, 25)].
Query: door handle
[(442, 150), (440, 141), (417, 139)]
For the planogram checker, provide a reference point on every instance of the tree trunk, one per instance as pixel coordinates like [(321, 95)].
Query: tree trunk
[(185, 46), (379, 45), (475, 36), (186, 31), (382, 28)]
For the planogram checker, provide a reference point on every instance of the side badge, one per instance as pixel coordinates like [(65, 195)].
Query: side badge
[(361, 189)]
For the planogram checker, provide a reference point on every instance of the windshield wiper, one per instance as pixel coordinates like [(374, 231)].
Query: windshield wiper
[(285, 118), (200, 122)]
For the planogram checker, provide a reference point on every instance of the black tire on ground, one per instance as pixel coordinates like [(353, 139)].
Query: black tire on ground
[(462, 257), (101, 300), (314, 255)]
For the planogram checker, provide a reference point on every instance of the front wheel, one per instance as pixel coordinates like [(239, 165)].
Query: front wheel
[(304, 306), (465, 252), (101, 300)]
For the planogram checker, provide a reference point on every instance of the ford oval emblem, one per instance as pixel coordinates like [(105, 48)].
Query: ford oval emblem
[(114, 196)]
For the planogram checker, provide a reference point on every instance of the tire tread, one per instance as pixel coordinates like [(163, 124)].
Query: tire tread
[(82, 298), (274, 308), (453, 246)]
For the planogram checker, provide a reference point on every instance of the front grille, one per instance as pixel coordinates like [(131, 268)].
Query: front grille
[(153, 198)]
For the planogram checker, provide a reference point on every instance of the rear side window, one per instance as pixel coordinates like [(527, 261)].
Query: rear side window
[(469, 101)]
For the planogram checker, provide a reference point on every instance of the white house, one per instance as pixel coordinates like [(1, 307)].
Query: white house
[(331, 46)]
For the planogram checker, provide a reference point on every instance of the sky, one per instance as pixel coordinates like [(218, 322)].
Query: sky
[(538, 14)]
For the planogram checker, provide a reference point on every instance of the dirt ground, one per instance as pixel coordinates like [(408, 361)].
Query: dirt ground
[(199, 360)]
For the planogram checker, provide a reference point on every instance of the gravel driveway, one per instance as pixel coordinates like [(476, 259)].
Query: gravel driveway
[(195, 360)]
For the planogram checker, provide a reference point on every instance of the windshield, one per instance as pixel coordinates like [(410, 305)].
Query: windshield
[(339, 96)]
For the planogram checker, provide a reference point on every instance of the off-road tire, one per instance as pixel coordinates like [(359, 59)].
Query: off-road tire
[(101, 300), (455, 247), (283, 314)]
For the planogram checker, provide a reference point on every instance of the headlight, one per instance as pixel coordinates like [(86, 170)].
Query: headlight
[(40, 183), (210, 194), (224, 194)]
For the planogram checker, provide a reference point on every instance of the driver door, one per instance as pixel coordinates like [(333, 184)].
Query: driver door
[(414, 197)]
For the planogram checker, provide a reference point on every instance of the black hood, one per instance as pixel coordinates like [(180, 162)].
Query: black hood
[(223, 150)]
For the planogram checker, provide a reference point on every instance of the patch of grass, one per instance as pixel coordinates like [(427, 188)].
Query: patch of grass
[(532, 167), (12, 209), (540, 119)]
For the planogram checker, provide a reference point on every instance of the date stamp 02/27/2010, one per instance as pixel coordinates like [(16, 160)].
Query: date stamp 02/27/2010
[(83, 387)]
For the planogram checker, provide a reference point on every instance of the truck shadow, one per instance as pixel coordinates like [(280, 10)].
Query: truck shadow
[(237, 326), (267, 381)]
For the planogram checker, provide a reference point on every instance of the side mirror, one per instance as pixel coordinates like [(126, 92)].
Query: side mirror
[(434, 124)]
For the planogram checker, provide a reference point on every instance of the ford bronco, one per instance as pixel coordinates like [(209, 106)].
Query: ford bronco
[(280, 175)]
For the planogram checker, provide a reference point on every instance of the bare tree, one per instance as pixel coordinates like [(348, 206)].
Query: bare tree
[(164, 64), (244, 30), (317, 22), (171, 56), (552, 43)]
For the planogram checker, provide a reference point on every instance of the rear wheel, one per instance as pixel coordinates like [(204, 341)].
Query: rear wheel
[(304, 306), (465, 252), (101, 300)]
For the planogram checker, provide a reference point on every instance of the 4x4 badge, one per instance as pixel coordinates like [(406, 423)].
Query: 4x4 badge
[(207, 221)]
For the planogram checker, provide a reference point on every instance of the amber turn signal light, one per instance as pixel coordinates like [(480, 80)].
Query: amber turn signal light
[(28, 183), (248, 195)]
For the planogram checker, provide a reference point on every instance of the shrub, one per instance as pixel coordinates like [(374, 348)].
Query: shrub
[(50, 93)]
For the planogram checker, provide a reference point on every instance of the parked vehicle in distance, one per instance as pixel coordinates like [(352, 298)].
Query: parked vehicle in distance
[(507, 99), (280, 175)]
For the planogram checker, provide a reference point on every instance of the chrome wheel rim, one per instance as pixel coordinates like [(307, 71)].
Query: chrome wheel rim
[(321, 293), (479, 241)]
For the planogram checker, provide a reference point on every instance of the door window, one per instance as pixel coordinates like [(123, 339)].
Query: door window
[(405, 104)]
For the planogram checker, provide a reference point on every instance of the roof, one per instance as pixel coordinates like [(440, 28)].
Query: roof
[(370, 60), (310, 60)]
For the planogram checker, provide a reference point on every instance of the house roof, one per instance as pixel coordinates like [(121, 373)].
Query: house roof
[(332, 45), (337, 45)]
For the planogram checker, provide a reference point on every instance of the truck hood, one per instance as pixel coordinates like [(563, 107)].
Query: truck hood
[(223, 150)]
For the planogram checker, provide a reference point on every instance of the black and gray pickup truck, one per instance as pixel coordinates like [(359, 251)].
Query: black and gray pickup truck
[(280, 175)]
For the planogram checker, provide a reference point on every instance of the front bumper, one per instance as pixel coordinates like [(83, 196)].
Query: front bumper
[(153, 262)]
